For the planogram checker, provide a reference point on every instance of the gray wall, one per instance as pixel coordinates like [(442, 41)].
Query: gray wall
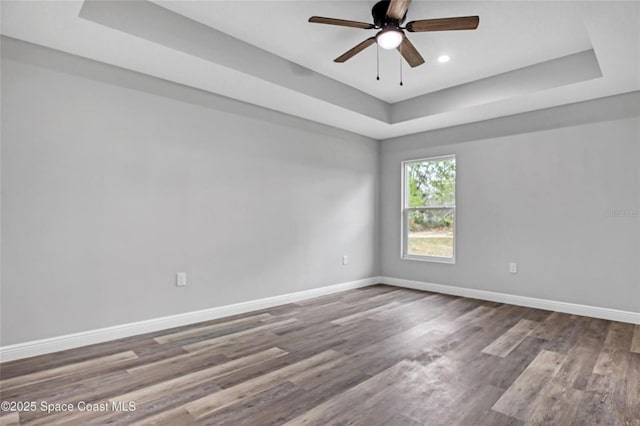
[(107, 192), (537, 198), (103, 202)]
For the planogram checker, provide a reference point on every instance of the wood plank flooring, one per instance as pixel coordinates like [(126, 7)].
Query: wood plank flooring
[(373, 356)]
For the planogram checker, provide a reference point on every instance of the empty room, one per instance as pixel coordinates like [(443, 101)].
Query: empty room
[(320, 212)]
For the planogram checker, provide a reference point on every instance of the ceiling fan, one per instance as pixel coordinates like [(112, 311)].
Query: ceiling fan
[(388, 16)]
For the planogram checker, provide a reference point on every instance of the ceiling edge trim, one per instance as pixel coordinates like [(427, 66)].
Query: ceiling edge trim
[(558, 72), (59, 61), (608, 108)]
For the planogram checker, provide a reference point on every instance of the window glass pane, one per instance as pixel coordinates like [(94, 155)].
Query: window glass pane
[(431, 183), (430, 232)]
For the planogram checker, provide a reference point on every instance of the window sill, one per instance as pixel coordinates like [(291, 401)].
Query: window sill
[(433, 259)]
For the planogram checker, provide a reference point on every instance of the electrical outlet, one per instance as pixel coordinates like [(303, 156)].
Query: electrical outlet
[(345, 260), (513, 267), (181, 279)]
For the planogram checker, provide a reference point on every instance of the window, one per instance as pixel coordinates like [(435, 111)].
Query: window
[(429, 209)]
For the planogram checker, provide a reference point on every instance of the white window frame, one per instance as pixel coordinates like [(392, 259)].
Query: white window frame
[(404, 213)]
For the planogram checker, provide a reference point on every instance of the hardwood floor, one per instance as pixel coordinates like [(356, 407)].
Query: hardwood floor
[(372, 356)]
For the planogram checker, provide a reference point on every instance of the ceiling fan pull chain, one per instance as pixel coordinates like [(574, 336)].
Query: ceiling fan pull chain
[(377, 62), (401, 84)]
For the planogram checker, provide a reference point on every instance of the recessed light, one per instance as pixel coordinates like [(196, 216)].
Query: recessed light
[(443, 58)]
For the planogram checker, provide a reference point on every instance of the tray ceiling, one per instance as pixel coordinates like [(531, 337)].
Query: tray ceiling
[(526, 55)]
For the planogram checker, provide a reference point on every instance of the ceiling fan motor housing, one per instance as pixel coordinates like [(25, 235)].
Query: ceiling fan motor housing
[(380, 18)]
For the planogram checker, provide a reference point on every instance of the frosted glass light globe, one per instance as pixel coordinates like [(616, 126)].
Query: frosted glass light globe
[(389, 39)]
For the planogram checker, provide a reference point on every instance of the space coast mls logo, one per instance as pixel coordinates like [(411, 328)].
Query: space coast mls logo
[(82, 406)]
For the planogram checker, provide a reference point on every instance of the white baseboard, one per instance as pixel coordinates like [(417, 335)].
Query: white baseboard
[(530, 302), (84, 338)]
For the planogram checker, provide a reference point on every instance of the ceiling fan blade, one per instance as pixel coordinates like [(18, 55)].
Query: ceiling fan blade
[(397, 9), (355, 50), (410, 53), (341, 22), (444, 24)]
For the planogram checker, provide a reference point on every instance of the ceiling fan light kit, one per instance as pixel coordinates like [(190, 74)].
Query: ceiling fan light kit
[(388, 16), (389, 39)]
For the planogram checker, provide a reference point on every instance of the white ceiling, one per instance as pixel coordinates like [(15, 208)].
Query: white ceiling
[(511, 35), (515, 35)]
